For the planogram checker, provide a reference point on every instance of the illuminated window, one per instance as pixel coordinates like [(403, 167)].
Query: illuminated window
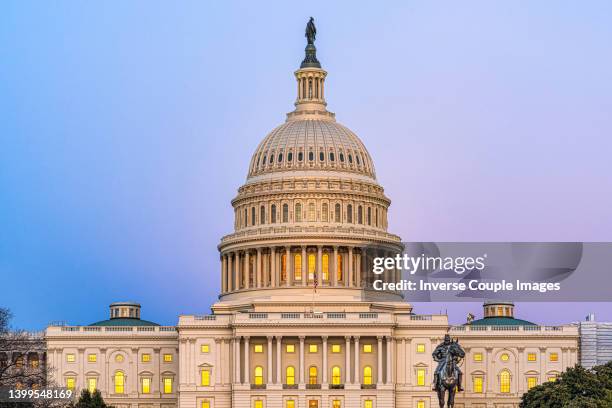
[(284, 267), (311, 212), (290, 375), (505, 357), (92, 358), (420, 404), (297, 267), (504, 381), (312, 375), (552, 378), (367, 375), (205, 348), (531, 357), (205, 404), (336, 404), (146, 358), (91, 385), (258, 404), (167, 385), (500, 311), (368, 404), (367, 348), (119, 382), (312, 260), (258, 348), (477, 357), (325, 262), (554, 357), (531, 382), (313, 348), (205, 374), (339, 260), (478, 384), (167, 358), (70, 383), (298, 212), (336, 348), (119, 358), (420, 348), (70, 358), (336, 379), (146, 385), (420, 376), (290, 404), (258, 375), (290, 348), (324, 213)]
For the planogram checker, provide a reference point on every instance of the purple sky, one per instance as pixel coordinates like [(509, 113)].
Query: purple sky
[(126, 128)]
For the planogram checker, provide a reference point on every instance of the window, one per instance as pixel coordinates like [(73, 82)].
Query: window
[(258, 375), (336, 404), (336, 348), (167, 358), (331, 156), (273, 214), (290, 375), (420, 348), (505, 357), (252, 215), (280, 157), (554, 357), (321, 156), (119, 382), (91, 385), (271, 157), (167, 385), (310, 156), (477, 357), (290, 404), (311, 212), (262, 215), (350, 158), (258, 348), (531, 382), (349, 214), (360, 215), (337, 213), (289, 156), (369, 217), (205, 348), (312, 375), (300, 156), (290, 348), (70, 383), (70, 358), (298, 212), (258, 404), (283, 267), (420, 376), (336, 378), (325, 264), (368, 404), (146, 385), (367, 348), (311, 266), (297, 267), (420, 404), (504, 381), (313, 348), (92, 358), (324, 212), (205, 377), (145, 358), (552, 378), (478, 384), (205, 404), (285, 213), (339, 272), (119, 358), (531, 357), (367, 375)]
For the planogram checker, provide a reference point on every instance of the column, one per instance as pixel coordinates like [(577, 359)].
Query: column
[(350, 266), (389, 359), (335, 270), (302, 359), (357, 364), (247, 270), (258, 269), (320, 264), (279, 343), (347, 360), (542, 360), (490, 374), (273, 266), (236, 270), (519, 370), (269, 367), (236, 359), (104, 375), (304, 266), (358, 270), (218, 350), (379, 359), (324, 359), (223, 274), (155, 386), (406, 361), (288, 263), (247, 357), (230, 273)]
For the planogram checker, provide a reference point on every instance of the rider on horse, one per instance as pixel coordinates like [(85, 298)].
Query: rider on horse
[(439, 356)]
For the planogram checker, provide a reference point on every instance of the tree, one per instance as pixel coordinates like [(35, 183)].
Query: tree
[(575, 388), (90, 400)]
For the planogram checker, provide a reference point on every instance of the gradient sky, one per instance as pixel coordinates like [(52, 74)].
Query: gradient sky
[(127, 127)]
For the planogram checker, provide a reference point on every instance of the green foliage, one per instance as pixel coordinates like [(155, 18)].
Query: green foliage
[(90, 400), (575, 388)]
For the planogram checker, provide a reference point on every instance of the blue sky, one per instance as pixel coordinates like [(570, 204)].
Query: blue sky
[(126, 128)]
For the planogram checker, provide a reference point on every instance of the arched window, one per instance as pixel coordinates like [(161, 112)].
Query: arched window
[(357, 158), (350, 158), (252, 215), (297, 267), (339, 260), (289, 156), (359, 214), (285, 213), (311, 266), (273, 214), (271, 158), (341, 157), (264, 160), (331, 156), (300, 156), (280, 157), (349, 214), (290, 375), (310, 156), (312, 214), (284, 267), (298, 212), (312, 375), (258, 375), (119, 382), (336, 378), (245, 220), (337, 213), (369, 217), (504, 381), (376, 217), (324, 213), (367, 375), (321, 156), (262, 215), (325, 262)]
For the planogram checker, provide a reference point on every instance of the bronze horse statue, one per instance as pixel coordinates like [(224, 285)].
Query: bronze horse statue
[(449, 378)]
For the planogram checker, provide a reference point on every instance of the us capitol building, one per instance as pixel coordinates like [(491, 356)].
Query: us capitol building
[(297, 324)]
